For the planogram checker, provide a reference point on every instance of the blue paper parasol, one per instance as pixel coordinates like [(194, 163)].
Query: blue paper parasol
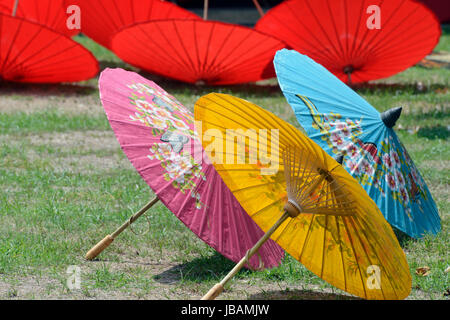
[(346, 125)]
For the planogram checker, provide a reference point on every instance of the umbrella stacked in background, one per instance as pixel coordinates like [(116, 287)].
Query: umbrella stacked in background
[(198, 51), (103, 18), (50, 13), (33, 52), (344, 36)]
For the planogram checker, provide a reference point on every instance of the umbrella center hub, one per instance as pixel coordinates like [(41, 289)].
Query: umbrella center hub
[(292, 208), (349, 69)]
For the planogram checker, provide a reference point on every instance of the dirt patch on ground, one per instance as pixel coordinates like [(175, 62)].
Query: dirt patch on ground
[(166, 287), (90, 105), (77, 151)]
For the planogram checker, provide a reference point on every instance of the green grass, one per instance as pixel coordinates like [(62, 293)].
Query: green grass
[(60, 198)]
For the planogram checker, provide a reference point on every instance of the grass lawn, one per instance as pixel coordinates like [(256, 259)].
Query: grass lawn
[(65, 184)]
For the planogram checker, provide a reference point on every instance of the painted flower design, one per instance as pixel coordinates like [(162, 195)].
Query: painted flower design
[(163, 114), (395, 158), (354, 167), (337, 139), (352, 151), (400, 178), (388, 161), (391, 181), (404, 194), (367, 167)]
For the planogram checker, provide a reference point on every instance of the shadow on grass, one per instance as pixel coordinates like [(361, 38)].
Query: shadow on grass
[(434, 132), (403, 238), (297, 294), (211, 268)]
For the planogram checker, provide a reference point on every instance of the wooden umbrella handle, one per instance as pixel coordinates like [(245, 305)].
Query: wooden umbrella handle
[(103, 244), (99, 247), (218, 288), (213, 292)]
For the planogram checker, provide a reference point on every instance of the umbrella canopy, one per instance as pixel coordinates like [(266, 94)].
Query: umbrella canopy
[(344, 37), (30, 52), (342, 122), (50, 13), (158, 136), (333, 227), (103, 18), (198, 51)]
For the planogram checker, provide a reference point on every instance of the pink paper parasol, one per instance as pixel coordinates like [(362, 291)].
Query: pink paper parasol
[(158, 136)]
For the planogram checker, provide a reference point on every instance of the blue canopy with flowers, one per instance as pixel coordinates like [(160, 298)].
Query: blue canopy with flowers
[(344, 124)]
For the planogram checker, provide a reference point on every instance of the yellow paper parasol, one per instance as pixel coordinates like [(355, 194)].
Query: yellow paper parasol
[(303, 199)]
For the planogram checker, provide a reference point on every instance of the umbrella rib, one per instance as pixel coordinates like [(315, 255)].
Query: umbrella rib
[(48, 57), (327, 54), (291, 221), (212, 65), (353, 223), (307, 236), (322, 29), (208, 197), (184, 47), (341, 251), (181, 62), (243, 66), (354, 255), (16, 34), (376, 239), (204, 64), (323, 246), (386, 39), (335, 27), (358, 24)]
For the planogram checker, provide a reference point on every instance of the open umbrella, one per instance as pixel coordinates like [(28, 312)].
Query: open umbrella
[(356, 40), (158, 136), (50, 13), (103, 18), (342, 122), (309, 205), (30, 52), (198, 51)]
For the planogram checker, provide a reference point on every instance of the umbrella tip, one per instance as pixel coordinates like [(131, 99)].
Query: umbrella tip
[(339, 158), (391, 116)]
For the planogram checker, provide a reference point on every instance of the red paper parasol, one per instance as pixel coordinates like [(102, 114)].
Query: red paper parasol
[(103, 18), (30, 52), (51, 13), (195, 51), (440, 7), (342, 35)]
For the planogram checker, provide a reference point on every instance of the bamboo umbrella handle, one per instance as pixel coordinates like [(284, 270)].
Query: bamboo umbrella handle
[(103, 244), (218, 288), (99, 247), (213, 292)]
